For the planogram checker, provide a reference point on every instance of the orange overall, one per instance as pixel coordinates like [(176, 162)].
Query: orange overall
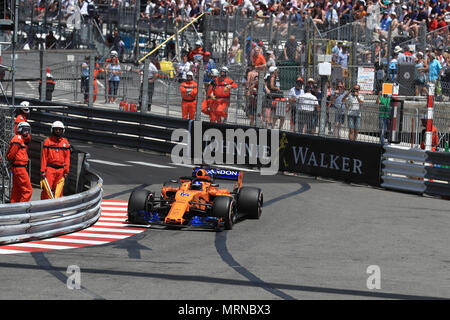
[(434, 140), (17, 154), (222, 93), (55, 161), (189, 95), (194, 52), (209, 106)]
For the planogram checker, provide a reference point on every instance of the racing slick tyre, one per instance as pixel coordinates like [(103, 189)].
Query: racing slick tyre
[(138, 206), (250, 202), (223, 207)]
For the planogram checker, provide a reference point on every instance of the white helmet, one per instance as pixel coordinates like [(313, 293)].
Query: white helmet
[(25, 106), (58, 124), (198, 43), (224, 69), (23, 125), (114, 53), (214, 72), (189, 73)]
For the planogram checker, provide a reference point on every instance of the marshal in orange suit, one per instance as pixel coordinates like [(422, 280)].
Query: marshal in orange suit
[(189, 91), (55, 161)]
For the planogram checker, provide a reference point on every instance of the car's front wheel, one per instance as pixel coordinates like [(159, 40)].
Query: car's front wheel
[(138, 206), (223, 207)]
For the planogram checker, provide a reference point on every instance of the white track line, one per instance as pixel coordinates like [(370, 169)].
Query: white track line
[(110, 163), (151, 164)]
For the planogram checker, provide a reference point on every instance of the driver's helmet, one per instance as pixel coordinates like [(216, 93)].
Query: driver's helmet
[(201, 173), (196, 185)]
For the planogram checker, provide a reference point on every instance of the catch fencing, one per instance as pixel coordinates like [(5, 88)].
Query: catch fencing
[(166, 98)]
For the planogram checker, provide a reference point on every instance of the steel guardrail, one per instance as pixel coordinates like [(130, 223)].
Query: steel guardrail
[(416, 170), (20, 222)]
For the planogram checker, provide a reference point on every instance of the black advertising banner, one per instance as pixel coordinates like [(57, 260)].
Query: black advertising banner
[(274, 151), (344, 160)]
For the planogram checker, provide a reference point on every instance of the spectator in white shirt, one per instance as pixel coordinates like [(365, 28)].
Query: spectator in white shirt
[(307, 104)]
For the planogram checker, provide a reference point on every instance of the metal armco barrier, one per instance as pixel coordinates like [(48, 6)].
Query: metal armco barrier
[(416, 171), (99, 125), (40, 219)]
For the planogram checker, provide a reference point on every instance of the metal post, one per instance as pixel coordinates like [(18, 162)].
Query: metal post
[(307, 49), (260, 98), (323, 105), (136, 28), (43, 58), (144, 88), (201, 71), (389, 48), (423, 36), (14, 45), (430, 111), (91, 79), (167, 96), (177, 44)]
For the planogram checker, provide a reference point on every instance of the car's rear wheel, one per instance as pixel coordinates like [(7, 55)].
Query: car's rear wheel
[(250, 202), (223, 207), (138, 206)]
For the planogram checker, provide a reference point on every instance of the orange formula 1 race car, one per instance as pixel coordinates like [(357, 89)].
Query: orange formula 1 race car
[(197, 201)]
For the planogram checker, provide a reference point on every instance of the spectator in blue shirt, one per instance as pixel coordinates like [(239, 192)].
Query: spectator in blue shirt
[(385, 21), (393, 67), (208, 64), (434, 67), (435, 9)]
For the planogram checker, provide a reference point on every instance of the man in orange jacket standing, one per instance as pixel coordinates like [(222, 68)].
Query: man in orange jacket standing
[(18, 157), (434, 135), (24, 111), (189, 91), (222, 91), (209, 105), (55, 161)]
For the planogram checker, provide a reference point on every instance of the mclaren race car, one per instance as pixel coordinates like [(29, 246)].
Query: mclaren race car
[(197, 201)]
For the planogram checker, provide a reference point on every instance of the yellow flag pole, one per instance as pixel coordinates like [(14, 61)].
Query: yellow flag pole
[(171, 37)]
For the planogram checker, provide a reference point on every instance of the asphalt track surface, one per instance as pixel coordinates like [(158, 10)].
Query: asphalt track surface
[(315, 240)]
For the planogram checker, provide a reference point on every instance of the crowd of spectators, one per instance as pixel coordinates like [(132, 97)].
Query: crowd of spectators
[(402, 18)]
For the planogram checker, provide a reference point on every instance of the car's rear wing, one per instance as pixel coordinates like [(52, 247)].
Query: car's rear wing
[(224, 174)]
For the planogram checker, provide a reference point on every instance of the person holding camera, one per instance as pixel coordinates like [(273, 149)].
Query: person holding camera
[(354, 101)]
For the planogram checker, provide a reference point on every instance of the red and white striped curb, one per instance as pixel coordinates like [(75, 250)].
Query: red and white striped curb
[(110, 227)]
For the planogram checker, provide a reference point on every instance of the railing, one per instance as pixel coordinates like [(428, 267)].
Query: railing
[(49, 218), (416, 171)]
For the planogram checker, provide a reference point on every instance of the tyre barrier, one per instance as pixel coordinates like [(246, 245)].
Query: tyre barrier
[(27, 221), (416, 171)]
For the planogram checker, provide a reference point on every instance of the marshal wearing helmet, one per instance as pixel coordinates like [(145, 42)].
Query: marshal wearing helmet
[(55, 162), (18, 158), (24, 112)]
